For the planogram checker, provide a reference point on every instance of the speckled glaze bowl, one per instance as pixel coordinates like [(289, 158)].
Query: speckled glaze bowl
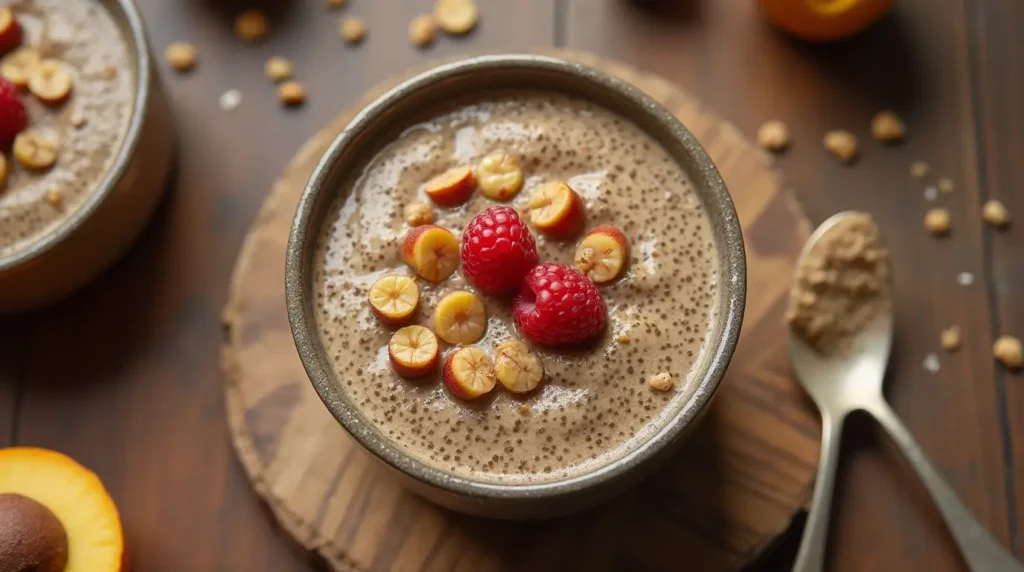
[(378, 124), (114, 214)]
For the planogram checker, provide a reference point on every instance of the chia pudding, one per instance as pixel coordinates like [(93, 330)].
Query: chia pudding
[(596, 403), (88, 128)]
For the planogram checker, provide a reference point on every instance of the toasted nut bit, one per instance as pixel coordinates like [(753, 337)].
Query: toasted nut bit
[(842, 144), (50, 82), (34, 151), (278, 69), (524, 409), (251, 25), (945, 184), (16, 67), (421, 30), (291, 93), (887, 127), (417, 214), (353, 30), (950, 339), (937, 221), (918, 169), (773, 135), (624, 339), (54, 198), (1008, 351), (456, 16), (335, 3), (181, 56), (994, 213), (661, 382)]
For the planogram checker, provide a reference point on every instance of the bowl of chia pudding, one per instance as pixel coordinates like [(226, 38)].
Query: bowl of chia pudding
[(90, 137), (517, 282)]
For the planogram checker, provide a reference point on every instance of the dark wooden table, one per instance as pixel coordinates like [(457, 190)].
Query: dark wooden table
[(124, 376)]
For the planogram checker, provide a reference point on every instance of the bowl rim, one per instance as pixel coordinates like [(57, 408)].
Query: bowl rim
[(303, 323), (139, 44)]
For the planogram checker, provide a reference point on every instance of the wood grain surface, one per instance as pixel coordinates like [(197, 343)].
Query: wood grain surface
[(735, 488), (125, 377)]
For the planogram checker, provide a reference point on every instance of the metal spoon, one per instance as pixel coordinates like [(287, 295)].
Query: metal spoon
[(840, 385)]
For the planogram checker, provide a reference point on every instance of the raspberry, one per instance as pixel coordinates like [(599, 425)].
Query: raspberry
[(497, 250), (13, 117), (558, 306)]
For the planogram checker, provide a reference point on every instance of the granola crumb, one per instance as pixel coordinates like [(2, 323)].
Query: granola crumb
[(78, 119), (937, 221), (624, 339), (661, 382), (918, 169), (251, 25), (773, 135), (291, 93), (842, 144), (945, 184), (524, 409), (995, 214), (421, 30), (353, 30), (54, 198), (181, 56), (887, 127), (417, 214), (949, 340), (278, 69), (1008, 351)]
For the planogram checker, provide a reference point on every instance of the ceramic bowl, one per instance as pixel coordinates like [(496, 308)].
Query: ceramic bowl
[(113, 215), (378, 124)]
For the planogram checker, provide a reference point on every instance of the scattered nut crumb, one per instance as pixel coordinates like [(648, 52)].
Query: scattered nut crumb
[(994, 213), (945, 184), (918, 169), (661, 382), (950, 338), (291, 93), (937, 221), (456, 17), (1009, 352), (524, 409), (335, 3), (278, 69), (842, 144), (181, 56), (624, 339), (773, 135), (421, 30), (417, 214), (353, 30), (251, 25), (230, 100), (54, 198), (887, 127)]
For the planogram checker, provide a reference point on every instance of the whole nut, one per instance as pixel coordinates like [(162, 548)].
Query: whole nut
[(421, 30), (937, 221), (456, 17), (1008, 350), (353, 30), (994, 213), (887, 127), (773, 135), (661, 382), (842, 144), (950, 338), (291, 93), (181, 56), (251, 25), (278, 69)]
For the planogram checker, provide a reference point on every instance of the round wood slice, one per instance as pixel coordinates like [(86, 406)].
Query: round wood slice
[(741, 478)]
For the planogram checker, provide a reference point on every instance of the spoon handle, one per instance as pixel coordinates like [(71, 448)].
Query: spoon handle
[(811, 556), (981, 551)]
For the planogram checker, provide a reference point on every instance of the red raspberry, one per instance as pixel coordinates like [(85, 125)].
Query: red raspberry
[(13, 117), (558, 306), (497, 250)]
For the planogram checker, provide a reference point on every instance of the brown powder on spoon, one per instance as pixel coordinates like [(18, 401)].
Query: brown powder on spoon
[(840, 285)]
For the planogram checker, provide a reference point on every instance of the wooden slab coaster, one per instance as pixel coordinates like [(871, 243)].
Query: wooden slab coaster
[(743, 475)]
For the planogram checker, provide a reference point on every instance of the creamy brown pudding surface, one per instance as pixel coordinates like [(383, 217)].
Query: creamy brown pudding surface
[(83, 36), (594, 405)]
